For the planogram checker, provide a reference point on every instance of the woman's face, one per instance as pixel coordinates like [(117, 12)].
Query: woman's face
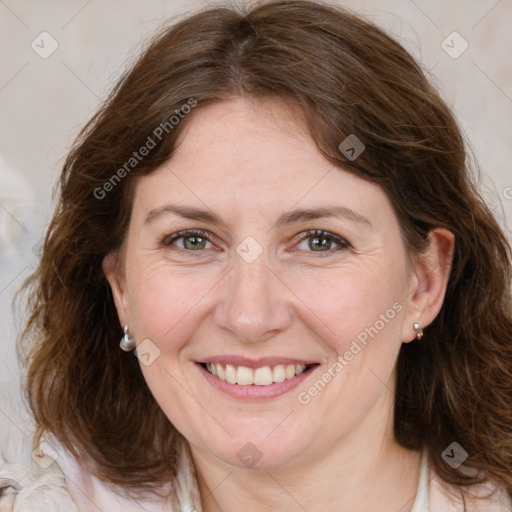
[(253, 294)]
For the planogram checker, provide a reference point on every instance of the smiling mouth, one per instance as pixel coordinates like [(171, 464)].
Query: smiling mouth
[(262, 376)]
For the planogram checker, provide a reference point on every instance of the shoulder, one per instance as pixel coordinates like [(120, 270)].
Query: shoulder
[(61, 484), (31, 487), (487, 497)]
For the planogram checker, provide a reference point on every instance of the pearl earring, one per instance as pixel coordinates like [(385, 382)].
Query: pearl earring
[(418, 329), (127, 342)]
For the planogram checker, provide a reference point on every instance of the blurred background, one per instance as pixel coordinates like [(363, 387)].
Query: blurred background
[(59, 59)]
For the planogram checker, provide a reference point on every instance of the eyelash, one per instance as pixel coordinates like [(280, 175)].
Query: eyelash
[(342, 243)]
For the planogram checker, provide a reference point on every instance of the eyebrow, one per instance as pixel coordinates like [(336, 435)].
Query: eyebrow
[(288, 218)]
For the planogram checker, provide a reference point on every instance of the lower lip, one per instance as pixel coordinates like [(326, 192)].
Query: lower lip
[(253, 391)]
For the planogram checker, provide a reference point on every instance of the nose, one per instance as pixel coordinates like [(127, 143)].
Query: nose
[(255, 304)]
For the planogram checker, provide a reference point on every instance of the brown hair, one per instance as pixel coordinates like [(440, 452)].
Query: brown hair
[(347, 77)]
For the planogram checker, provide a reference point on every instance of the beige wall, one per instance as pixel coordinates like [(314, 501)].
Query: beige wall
[(43, 103)]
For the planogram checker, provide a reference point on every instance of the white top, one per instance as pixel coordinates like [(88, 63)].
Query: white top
[(422, 490), (66, 487)]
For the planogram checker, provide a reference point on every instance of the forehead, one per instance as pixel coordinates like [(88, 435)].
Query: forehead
[(236, 136), (255, 157)]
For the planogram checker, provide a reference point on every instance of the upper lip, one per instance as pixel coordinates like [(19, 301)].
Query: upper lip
[(255, 363)]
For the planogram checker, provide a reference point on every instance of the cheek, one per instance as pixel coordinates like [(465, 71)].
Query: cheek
[(363, 312), (165, 303), (350, 303)]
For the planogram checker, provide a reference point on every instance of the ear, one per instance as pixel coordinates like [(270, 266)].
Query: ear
[(429, 281), (117, 282)]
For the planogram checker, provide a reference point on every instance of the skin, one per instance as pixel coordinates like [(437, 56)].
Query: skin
[(249, 163)]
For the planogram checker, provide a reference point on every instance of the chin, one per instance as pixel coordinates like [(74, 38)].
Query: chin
[(258, 452)]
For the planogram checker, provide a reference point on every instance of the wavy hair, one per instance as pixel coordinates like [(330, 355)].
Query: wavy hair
[(347, 76)]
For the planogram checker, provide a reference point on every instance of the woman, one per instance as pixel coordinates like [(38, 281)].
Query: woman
[(274, 212)]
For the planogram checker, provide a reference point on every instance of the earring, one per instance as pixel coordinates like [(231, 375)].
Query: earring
[(418, 329), (127, 342)]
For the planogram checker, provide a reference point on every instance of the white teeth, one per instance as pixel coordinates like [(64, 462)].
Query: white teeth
[(262, 376), (279, 373), (289, 371), (244, 376), (299, 368), (230, 374)]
